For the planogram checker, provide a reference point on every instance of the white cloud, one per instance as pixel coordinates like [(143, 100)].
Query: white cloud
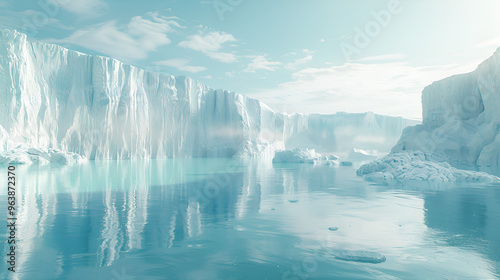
[(142, 35), (261, 63), (87, 8), (387, 88), (490, 44), (383, 58), (181, 64), (210, 44), (299, 61)]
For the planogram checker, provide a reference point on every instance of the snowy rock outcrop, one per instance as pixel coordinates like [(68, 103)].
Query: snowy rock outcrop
[(100, 108), (461, 120)]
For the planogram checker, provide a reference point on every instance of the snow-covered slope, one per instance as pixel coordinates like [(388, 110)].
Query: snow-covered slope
[(100, 108), (461, 119)]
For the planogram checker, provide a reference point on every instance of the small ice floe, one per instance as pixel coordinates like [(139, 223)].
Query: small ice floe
[(359, 256), (293, 201), (333, 228), (345, 163), (307, 156)]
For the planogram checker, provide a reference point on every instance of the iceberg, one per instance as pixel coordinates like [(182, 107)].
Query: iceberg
[(461, 124), (461, 127), (101, 108)]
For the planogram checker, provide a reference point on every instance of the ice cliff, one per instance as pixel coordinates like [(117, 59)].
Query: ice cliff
[(99, 108), (461, 128), (461, 119)]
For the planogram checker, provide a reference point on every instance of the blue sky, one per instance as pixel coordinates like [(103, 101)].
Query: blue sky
[(316, 56)]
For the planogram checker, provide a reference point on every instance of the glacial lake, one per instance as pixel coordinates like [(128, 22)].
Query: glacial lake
[(235, 219)]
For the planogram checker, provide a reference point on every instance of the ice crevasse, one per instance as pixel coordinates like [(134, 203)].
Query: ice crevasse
[(60, 101)]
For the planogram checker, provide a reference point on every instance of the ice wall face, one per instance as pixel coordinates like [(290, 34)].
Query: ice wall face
[(461, 119), (100, 108)]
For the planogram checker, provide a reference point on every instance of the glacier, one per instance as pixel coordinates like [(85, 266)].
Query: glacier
[(100, 108), (460, 129)]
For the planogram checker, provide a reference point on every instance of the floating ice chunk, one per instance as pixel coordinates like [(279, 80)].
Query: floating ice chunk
[(30, 155), (345, 163), (417, 166), (307, 156), (360, 256), (296, 156), (333, 228)]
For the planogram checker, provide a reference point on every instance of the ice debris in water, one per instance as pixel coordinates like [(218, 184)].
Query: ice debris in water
[(360, 256), (416, 166), (30, 155)]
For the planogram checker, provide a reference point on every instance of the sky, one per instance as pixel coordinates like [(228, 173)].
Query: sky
[(297, 56)]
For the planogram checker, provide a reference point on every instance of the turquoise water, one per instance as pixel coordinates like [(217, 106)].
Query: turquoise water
[(230, 219)]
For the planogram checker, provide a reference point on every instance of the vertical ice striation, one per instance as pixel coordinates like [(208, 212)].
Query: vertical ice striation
[(98, 107)]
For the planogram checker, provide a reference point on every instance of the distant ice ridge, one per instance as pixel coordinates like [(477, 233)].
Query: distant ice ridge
[(461, 126), (100, 108)]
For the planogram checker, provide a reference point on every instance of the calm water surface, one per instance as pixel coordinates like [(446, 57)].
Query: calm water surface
[(230, 219)]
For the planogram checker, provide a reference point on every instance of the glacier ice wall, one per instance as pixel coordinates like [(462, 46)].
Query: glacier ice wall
[(98, 107), (461, 119)]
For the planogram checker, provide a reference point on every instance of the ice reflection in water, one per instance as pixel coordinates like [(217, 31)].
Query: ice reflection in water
[(229, 219)]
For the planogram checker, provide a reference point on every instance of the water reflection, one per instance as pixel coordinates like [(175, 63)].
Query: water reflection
[(229, 219)]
